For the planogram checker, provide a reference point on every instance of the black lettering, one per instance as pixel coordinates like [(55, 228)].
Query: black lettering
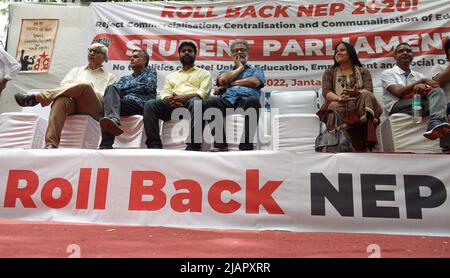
[(370, 196), (342, 199), (414, 202)]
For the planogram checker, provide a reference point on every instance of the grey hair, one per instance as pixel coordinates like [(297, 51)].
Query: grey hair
[(102, 48), (233, 44)]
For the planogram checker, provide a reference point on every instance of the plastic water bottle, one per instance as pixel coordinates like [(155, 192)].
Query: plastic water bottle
[(417, 108)]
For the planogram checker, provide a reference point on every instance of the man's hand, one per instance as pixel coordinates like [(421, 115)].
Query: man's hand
[(429, 82), (172, 102), (237, 62), (220, 89), (177, 101)]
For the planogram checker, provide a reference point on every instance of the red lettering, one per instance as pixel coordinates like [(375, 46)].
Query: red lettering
[(232, 12), (168, 11), (321, 10), (186, 14), (65, 193), (306, 11), (215, 200), (83, 188), (13, 192), (138, 189), (249, 11), (281, 11), (256, 196), (336, 8), (188, 11), (262, 11), (101, 188), (194, 196), (209, 13)]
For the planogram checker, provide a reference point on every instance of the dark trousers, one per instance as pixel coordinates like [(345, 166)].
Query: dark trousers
[(246, 142), (155, 110), (114, 107)]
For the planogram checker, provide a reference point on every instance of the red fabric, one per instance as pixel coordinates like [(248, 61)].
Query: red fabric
[(423, 93)]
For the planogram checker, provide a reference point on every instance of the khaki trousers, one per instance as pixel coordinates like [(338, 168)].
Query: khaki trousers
[(73, 98)]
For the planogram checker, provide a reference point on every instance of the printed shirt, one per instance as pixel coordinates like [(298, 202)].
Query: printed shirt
[(99, 78), (194, 80), (396, 76), (9, 67), (138, 88), (237, 94)]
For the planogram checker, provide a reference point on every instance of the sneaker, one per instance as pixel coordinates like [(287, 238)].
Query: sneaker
[(25, 99), (436, 129), (111, 125), (50, 146)]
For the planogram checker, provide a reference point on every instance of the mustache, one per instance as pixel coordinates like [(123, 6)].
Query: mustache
[(187, 60)]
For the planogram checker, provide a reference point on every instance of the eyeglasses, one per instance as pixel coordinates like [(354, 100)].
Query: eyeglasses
[(96, 51)]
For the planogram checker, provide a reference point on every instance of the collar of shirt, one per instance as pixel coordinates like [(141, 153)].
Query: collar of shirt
[(88, 68), (189, 70), (139, 72), (401, 72)]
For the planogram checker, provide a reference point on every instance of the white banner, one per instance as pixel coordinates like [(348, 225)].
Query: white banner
[(291, 41), (376, 193)]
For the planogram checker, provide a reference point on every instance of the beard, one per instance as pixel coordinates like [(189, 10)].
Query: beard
[(243, 59), (187, 60)]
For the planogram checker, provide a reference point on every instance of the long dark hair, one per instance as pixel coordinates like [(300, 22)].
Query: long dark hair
[(351, 54)]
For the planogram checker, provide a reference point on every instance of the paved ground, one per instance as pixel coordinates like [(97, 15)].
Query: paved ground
[(60, 240)]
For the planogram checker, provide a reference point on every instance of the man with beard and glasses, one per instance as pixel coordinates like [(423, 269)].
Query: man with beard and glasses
[(185, 88), (400, 81), (239, 88)]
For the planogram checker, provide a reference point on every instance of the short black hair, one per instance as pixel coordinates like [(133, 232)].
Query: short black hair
[(144, 54), (446, 48), (400, 44), (187, 43), (351, 51)]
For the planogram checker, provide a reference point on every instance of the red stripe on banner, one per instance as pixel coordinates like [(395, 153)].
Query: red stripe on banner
[(277, 48)]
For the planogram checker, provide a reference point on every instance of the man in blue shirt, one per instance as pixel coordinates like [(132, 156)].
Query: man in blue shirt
[(239, 88), (127, 97)]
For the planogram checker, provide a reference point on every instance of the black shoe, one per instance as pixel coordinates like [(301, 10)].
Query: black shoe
[(105, 147), (25, 100), (111, 125), (246, 147), (193, 148)]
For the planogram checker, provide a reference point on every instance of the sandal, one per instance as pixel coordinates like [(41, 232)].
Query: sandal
[(25, 100)]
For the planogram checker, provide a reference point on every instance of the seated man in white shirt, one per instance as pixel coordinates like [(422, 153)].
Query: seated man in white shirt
[(81, 91), (9, 68), (399, 82)]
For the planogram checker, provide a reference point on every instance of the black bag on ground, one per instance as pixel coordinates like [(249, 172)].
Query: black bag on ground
[(335, 140)]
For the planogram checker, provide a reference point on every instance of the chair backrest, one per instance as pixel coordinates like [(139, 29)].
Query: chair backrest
[(294, 102)]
